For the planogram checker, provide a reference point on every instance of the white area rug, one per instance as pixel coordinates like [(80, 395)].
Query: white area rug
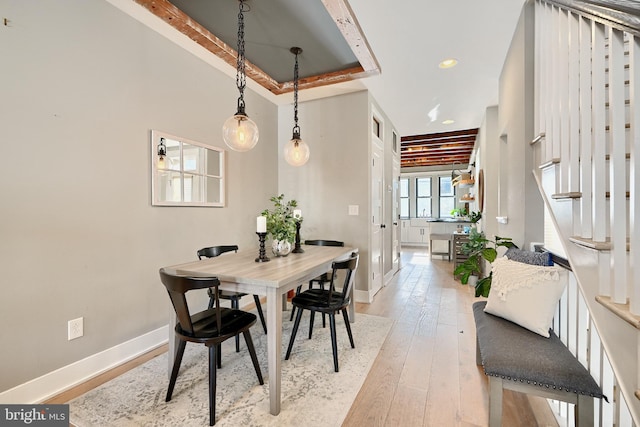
[(312, 393)]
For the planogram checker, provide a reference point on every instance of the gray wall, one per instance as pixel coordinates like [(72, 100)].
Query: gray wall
[(338, 131), (82, 85), (336, 174)]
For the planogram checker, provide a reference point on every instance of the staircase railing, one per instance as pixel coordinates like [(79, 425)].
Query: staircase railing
[(587, 79)]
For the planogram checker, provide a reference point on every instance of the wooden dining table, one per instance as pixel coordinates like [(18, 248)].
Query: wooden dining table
[(240, 272)]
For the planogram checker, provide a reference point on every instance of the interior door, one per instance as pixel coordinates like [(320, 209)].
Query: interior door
[(395, 216), (377, 212)]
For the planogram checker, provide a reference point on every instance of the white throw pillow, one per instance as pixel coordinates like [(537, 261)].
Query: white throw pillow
[(526, 294)]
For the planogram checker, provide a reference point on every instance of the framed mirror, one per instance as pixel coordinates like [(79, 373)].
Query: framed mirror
[(186, 172)]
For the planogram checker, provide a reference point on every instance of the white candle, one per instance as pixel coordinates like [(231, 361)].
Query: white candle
[(297, 213), (261, 224)]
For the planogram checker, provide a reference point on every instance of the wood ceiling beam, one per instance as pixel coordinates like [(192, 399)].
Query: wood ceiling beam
[(439, 155), (438, 149), (339, 10), (175, 17), (426, 142), (348, 25), (434, 136)]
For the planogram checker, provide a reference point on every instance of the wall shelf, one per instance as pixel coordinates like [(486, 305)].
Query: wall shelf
[(464, 182)]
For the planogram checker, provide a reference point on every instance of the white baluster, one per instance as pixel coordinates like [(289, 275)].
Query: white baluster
[(634, 184), (585, 135), (598, 141), (617, 167)]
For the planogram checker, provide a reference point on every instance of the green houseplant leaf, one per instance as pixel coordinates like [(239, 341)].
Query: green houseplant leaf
[(479, 248), (281, 224)]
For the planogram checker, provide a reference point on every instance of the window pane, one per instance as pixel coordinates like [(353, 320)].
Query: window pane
[(213, 190), (446, 205), (172, 159), (423, 187), (404, 208), (423, 207), (404, 187), (193, 188), (213, 163), (168, 186), (446, 189)]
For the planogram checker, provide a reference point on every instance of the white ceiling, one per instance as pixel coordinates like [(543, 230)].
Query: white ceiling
[(408, 38)]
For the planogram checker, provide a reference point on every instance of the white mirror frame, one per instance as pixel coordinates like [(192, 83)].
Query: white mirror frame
[(182, 199)]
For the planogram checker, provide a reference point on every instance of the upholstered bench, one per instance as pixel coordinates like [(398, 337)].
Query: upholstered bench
[(517, 359)]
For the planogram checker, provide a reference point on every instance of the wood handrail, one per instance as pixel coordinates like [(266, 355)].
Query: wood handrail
[(621, 14)]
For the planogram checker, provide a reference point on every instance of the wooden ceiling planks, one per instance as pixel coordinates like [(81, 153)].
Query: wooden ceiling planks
[(437, 149)]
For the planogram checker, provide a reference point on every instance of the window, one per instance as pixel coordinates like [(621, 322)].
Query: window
[(188, 174), (404, 198), (376, 127), (447, 196), (423, 197)]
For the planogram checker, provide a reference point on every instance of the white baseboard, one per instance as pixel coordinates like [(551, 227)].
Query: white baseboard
[(362, 296), (60, 380)]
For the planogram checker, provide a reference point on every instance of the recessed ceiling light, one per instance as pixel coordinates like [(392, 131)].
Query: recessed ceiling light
[(448, 122), (448, 63)]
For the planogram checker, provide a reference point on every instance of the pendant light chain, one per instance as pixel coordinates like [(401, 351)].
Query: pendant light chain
[(295, 92), (296, 128), (241, 78)]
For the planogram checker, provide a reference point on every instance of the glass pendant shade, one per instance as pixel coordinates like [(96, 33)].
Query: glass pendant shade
[(240, 133), (296, 152)]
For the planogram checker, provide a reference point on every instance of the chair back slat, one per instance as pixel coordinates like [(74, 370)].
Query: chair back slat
[(349, 265), (178, 286), (214, 251), (336, 243)]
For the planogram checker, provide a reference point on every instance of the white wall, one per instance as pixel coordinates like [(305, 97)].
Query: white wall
[(82, 85), (521, 202), (488, 149)]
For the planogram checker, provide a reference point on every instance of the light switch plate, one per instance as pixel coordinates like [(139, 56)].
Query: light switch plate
[(353, 209)]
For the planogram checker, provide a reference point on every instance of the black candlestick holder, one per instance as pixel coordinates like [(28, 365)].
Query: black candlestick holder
[(297, 249), (262, 257)]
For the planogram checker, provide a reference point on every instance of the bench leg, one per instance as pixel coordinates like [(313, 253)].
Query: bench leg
[(478, 357), (584, 411), (495, 401)]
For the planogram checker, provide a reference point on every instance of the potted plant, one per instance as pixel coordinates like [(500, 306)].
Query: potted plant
[(478, 249), (456, 212), (281, 224), (475, 216)]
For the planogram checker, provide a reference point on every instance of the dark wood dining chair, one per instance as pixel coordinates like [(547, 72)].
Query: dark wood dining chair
[(234, 297), (210, 327), (324, 278), (327, 301)]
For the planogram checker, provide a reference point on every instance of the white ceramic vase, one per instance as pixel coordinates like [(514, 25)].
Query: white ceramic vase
[(281, 247)]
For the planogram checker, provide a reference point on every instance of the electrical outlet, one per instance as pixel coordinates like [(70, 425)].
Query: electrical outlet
[(75, 328)]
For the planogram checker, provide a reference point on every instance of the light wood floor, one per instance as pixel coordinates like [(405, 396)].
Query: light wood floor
[(425, 374)]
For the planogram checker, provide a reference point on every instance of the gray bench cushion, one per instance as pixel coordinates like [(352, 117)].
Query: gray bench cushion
[(512, 352)]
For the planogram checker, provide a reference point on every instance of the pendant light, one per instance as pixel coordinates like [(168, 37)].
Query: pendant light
[(239, 132), (296, 152)]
